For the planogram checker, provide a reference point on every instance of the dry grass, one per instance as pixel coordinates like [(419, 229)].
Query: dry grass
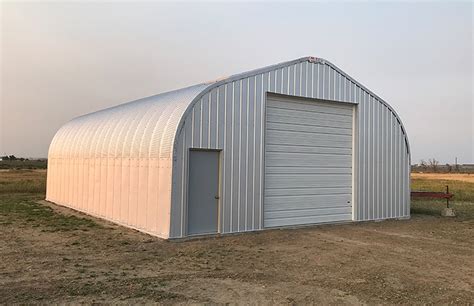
[(459, 184), (463, 177), (22, 181), (462, 189)]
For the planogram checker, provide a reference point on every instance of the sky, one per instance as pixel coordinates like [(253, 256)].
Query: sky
[(62, 60)]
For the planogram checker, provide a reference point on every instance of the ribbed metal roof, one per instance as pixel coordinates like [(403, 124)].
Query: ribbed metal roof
[(144, 128)]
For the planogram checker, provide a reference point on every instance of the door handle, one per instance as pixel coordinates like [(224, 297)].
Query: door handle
[(216, 197)]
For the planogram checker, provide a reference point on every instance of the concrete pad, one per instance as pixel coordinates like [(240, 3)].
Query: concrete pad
[(448, 212)]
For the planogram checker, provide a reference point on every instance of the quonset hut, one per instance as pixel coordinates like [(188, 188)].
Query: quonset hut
[(292, 144)]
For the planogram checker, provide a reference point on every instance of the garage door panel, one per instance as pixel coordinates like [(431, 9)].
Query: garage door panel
[(307, 180), (308, 129), (284, 116), (307, 159), (323, 108), (308, 170), (306, 149), (307, 220), (312, 191), (298, 213), (277, 203), (296, 138), (308, 162), (323, 122)]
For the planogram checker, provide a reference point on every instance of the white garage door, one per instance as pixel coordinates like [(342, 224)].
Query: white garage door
[(308, 161)]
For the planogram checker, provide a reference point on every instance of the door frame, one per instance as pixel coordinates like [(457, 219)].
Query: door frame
[(355, 147), (219, 189)]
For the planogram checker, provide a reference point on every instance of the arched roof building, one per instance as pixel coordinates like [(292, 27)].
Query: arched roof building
[(296, 143)]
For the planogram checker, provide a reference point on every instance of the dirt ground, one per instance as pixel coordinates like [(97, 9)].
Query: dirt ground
[(53, 254)]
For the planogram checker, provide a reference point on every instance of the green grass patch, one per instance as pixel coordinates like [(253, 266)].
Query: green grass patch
[(23, 186), (22, 210), (463, 210)]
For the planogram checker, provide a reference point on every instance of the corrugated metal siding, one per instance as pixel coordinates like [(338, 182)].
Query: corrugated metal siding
[(308, 161), (116, 163), (223, 118)]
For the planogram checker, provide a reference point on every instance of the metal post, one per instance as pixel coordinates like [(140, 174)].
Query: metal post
[(447, 199)]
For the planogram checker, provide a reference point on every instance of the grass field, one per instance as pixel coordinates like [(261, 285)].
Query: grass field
[(23, 164), (461, 185), (54, 254)]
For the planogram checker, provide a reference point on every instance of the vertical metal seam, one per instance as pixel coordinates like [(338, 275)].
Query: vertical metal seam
[(374, 184), (262, 150), (200, 123), (377, 189), (323, 80), (387, 162), (217, 117), (366, 155), (239, 157), (306, 80), (232, 158), (247, 153), (361, 131), (221, 167), (391, 167), (403, 202), (269, 81), (382, 162), (344, 84), (224, 158), (182, 185), (354, 158), (192, 128), (288, 81), (370, 156), (375, 146), (395, 172), (281, 84), (209, 109), (254, 145), (319, 81), (301, 78), (294, 79), (400, 173)]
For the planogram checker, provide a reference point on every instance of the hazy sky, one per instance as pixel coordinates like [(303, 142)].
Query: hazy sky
[(59, 61)]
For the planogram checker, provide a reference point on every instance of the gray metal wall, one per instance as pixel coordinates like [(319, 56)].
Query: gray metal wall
[(230, 117)]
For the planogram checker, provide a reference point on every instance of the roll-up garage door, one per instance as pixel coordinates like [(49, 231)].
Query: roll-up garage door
[(308, 161)]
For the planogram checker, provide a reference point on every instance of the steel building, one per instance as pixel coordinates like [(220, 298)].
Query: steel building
[(296, 143)]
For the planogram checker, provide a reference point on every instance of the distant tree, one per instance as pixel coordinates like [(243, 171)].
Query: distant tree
[(12, 157), (423, 165), (433, 163), (5, 157), (449, 167)]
